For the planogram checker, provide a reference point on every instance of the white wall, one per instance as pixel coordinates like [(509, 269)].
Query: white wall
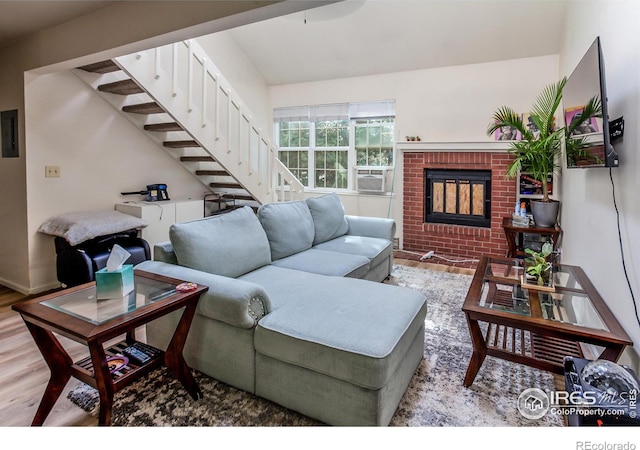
[(588, 213), (451, 104), (100, 154), (241, 75)]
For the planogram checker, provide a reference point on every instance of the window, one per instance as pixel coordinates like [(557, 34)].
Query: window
[(322, 145), (374, 142)]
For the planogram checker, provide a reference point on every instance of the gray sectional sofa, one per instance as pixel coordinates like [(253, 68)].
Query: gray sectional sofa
[(295, 311)]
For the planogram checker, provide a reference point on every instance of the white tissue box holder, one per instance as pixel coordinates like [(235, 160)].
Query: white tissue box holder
[(114, 284)]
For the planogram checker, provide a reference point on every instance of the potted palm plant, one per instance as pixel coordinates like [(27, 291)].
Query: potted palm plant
[(539, 149)]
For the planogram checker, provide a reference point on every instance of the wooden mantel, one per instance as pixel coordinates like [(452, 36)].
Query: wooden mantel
[(425, 146)]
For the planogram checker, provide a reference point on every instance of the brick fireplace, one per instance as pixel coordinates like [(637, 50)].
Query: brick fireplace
[(453, 240)]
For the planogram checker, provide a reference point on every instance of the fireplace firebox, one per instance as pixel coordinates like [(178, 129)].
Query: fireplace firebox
[(459, 197)]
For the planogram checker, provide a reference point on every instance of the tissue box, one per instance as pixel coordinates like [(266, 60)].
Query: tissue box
[(114, 284)]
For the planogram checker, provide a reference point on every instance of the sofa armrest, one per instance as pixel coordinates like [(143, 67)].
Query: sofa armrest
[(163, 251), (235, 302), (376, 227)]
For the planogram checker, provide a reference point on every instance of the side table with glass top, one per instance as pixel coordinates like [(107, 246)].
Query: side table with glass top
[(77, 314), (537, 328)]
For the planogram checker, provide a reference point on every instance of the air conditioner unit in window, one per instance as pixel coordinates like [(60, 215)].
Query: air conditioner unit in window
[(371, 180)]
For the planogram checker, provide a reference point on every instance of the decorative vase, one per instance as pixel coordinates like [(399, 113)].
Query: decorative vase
[(545, 214)]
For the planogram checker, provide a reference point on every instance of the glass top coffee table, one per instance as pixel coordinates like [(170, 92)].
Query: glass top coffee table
[(107, 327), (534, 327)]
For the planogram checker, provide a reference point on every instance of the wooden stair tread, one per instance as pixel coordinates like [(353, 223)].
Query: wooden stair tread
[(169, 126), (123, 87), (180, 144), (215, 173), (144, 108), (101, 67), (244, 197), (197, 159), (226, 185)]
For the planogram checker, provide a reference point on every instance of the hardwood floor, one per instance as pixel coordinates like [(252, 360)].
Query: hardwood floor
[(24, 374)]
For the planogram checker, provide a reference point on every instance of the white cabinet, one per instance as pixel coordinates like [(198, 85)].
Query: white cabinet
[(161, 215)]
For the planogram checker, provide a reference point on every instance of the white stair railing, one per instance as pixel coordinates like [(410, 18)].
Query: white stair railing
[(183, 80)]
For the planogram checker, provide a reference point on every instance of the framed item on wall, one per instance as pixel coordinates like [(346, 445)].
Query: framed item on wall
[(9, 130), (507, 134)]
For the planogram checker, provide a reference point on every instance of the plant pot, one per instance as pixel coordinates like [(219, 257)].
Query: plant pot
[(545, 214)]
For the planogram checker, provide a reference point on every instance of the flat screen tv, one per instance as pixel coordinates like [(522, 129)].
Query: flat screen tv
[(589, 144)]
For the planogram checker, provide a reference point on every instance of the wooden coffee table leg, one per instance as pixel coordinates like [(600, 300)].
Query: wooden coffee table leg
[(479, 352), (59, 363), (104, 382), (173, 356), (612, 352)]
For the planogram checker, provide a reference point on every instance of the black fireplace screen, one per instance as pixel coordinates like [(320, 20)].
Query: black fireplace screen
[(460, 197)]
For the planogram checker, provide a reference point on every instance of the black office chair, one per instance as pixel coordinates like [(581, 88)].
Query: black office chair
[(78, 264)]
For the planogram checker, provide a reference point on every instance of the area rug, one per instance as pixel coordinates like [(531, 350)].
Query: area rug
[(435, 396)]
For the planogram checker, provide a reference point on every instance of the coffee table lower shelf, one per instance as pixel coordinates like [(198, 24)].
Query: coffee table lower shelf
[(83, 369), (526, 347)]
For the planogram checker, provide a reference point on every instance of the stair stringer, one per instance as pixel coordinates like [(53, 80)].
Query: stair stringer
[(181, 78)]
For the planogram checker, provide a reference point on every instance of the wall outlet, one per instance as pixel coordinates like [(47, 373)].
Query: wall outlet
[(52, 171)]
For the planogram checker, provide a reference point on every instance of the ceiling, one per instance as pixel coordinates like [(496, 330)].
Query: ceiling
[(23, 17), (357, 37)]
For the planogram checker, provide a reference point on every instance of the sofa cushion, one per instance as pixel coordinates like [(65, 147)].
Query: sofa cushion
[(376, 249), (228, 244), (328, 217), (289, 227), (325, 262), (355, 330)]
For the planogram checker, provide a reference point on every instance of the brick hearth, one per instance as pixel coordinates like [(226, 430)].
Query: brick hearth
[(456, 241)]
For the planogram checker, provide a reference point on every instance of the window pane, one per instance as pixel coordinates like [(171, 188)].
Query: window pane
[(374, 158), (284, 138), (319, 160), (343, 161), (374, 137), (293, 159), (361, 158), (361, 137), (304, 138)]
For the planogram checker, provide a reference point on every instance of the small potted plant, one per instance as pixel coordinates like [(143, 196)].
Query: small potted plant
[(539, 268)]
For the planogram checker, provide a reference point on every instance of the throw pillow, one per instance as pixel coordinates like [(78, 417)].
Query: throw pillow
[(229, 244), (289, 227), (328, 217)]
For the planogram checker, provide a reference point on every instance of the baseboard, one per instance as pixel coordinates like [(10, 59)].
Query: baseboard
[(26, 290)]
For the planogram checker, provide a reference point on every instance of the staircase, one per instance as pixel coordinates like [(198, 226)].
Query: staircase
[(178, 98)]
